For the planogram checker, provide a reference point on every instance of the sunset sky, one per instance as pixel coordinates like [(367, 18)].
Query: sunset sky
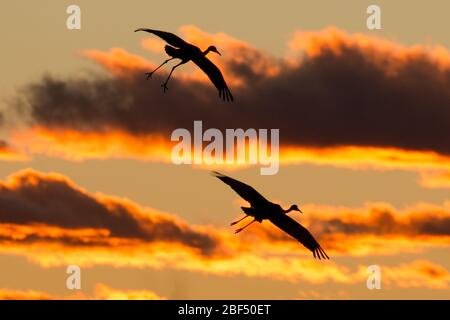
[(86, 176)]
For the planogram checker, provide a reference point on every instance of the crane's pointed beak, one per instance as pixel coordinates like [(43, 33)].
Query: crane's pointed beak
[(300, 211), (217, 51)]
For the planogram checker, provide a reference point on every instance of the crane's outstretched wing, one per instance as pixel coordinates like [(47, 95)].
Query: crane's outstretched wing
[(214, 75), (242, 189), (168, 37), (296, 230)]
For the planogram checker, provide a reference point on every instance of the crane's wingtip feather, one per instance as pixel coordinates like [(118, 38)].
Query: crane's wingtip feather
[(225, 94), (230, 95), (143, 29), (217, 174), (320, 254), (323, 253)]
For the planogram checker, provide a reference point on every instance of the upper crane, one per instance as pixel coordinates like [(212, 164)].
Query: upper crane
[(180, 49)]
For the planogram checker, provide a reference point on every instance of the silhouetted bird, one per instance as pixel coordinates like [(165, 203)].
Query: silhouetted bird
[(262, 209), (180, 49)]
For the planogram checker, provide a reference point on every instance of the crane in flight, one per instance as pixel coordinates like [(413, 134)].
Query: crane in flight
[(180, 49), (261, 209)]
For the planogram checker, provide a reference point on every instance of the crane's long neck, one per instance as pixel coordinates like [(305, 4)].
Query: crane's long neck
[(206, 51), (289, 210)]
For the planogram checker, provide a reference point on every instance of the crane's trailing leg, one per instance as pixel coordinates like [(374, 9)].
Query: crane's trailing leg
[(233, 223), (240, 229), (149, 74), (164, 85)]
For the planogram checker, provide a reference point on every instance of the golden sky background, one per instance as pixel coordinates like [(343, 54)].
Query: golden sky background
[(100, 191)]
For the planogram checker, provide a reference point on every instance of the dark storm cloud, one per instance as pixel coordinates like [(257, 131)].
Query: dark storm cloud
[(34, 198), (330, 99), (386, 222)]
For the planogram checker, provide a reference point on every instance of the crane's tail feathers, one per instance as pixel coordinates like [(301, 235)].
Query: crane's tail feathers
[(225, 94)]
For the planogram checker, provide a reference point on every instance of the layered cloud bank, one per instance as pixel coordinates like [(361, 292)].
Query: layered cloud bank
[(53, 222), (339, 90), (31, 201), (340, 99)]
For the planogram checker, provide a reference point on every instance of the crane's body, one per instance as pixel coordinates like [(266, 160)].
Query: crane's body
[(262, 209), (180, 49)]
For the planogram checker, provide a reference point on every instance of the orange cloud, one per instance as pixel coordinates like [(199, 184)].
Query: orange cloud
[(320, 295), (119, 61), (8, 294), (17, 232), (367, 157), (78, 146), (8, 153), (101, 292), (419, 273), (153, 44), (435, 179), (385, 53)]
